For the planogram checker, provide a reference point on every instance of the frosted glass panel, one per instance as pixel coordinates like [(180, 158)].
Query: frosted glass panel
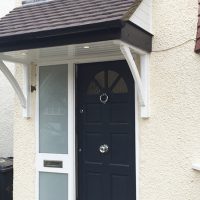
[(53, 186), (53, 110)]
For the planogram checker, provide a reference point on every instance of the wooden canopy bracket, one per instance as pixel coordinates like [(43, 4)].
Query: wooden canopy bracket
[(141, 79), (23, 95)]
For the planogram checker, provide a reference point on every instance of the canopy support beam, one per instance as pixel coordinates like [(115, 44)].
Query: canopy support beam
[(24, 96), (27, 90), (13, 59), (141, 79)]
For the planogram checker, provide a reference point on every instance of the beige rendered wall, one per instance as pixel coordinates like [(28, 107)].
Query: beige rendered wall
[(24, 147), (170, 139), (6, 98), (6, 115)]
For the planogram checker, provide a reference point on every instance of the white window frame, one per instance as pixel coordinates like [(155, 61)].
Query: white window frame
[(67, 159)]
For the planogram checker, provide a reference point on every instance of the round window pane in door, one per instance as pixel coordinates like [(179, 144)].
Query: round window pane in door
[(112, 76), (120, 87), (100, 78), (93, 88), (108, 81)]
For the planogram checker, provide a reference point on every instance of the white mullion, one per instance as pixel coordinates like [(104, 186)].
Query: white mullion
[(137, 146), (37, 133), (71, 132), (54, 157)]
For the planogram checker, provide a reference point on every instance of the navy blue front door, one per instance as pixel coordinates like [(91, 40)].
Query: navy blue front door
[(106, 131)]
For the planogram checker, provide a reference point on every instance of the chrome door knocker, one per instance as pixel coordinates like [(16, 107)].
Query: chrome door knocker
[(104, 148), (104, 98)]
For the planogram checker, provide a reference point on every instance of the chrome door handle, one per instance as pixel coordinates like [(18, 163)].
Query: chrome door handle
[(104, 148)]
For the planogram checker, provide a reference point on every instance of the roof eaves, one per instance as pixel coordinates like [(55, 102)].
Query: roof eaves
[(125, 31), (65, 31), (87, 33)]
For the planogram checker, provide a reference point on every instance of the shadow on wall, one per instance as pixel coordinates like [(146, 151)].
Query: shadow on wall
[(6, 114)]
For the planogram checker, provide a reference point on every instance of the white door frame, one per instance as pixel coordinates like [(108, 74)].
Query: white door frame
[(71, 169)]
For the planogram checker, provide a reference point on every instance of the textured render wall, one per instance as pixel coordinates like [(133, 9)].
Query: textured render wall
[(24, 147), (6, 98), (170, 139), (6, 115), (24, 144)]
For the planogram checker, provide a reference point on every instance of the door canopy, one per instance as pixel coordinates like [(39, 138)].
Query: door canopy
[(71, 23), (63, 22)]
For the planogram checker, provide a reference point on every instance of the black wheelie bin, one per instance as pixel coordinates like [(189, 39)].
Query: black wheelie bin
[(6, 178)]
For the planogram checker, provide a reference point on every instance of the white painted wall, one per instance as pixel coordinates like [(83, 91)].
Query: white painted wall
[(143, 15), (6, 6), (6, 98)]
